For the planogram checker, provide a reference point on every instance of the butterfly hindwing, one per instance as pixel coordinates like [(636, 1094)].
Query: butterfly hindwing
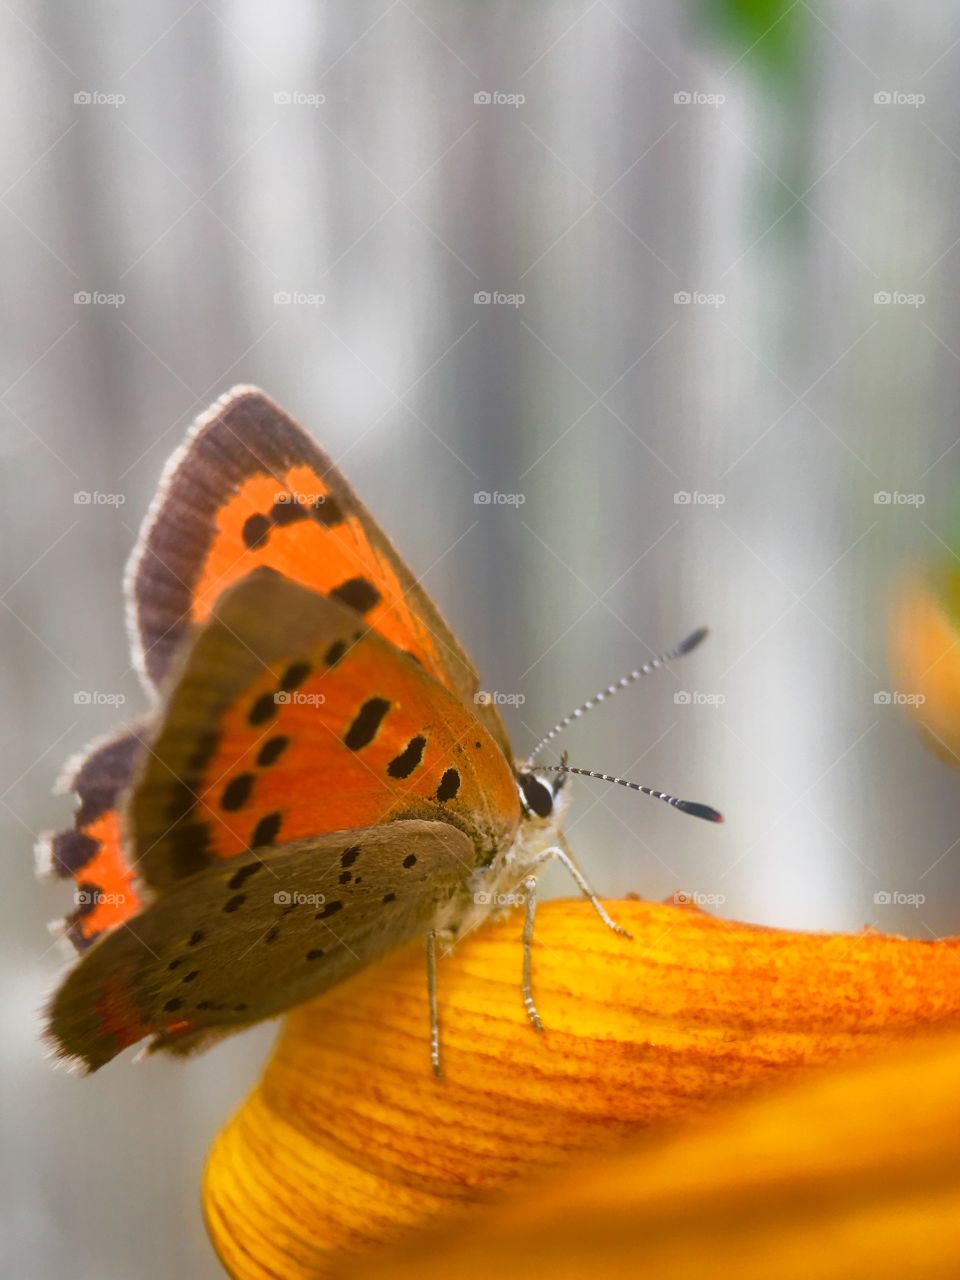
[(245, 940), (248, 489), (90, 852), (288, 719)]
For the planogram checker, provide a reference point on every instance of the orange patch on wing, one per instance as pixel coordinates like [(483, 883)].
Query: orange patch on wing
[(110, 877), (117, 1009), (308, 552), (319, 784)]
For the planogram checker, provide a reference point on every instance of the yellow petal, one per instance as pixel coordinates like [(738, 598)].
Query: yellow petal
[(925, 660), (349, 1141), (852, 1175)]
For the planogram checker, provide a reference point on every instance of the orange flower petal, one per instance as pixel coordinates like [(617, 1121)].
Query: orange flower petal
[(849, 1176), (925, 660), (349, 1141)]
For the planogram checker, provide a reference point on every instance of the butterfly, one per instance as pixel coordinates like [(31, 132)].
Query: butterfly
[(319, 779)]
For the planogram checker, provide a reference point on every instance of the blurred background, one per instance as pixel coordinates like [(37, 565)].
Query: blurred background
[(677, 281)]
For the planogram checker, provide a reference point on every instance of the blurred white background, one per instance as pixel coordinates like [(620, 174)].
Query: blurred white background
[(232, 155)]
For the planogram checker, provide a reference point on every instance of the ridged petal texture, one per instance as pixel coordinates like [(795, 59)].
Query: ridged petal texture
[(349, 1146)]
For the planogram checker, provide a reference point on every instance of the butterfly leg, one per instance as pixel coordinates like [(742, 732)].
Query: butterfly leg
[(530, 885), (434, 1006), (565, 858)]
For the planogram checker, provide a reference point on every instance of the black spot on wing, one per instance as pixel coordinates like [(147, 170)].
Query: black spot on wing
[(449, 785), (357, 593), (272, 749), (237, 791), (263, 709), (326, 511), (364, 728), (294, 676), (265, 832), (288, 512), (235, 903), (329, 909), (403, 765), (410, 860), (335, 653), (239, 878), (350, 855), (256, 530)]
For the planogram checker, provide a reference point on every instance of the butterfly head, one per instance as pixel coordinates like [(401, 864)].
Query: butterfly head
[(539, 794)]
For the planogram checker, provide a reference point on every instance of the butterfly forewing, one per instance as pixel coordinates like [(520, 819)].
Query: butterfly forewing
[(245, 940), (250, 489), (287, 719)]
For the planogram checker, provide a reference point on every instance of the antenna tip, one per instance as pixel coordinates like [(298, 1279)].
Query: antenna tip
[(692, 640), (700, 811)]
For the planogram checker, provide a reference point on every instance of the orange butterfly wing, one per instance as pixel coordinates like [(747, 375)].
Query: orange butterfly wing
[(90, 852), (287, 718), (249, 489)]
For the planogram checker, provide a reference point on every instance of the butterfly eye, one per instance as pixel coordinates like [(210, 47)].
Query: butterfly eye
[(536, 795)]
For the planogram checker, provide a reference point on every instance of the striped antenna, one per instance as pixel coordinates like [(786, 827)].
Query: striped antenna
[(685, 646), (685, 806)]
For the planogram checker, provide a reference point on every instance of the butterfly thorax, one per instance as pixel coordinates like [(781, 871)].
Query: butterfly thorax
[(500, 884)]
